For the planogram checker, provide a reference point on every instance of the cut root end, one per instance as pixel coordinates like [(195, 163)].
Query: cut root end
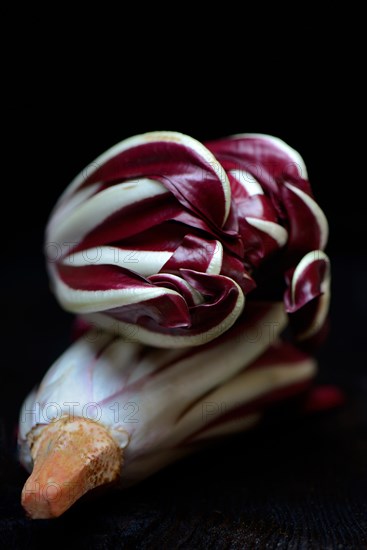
[(71, 457)]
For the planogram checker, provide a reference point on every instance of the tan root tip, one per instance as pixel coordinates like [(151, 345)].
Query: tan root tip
[(71, 457)]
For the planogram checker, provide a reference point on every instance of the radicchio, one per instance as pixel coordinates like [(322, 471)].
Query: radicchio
[(161, 238)]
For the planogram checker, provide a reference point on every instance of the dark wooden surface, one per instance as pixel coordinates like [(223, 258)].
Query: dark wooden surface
[(302, 487), (294, 483)]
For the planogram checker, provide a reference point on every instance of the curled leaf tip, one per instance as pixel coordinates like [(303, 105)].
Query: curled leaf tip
[(71, 456)]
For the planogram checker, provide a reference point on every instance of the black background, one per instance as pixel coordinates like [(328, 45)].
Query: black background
[(285, 486)]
